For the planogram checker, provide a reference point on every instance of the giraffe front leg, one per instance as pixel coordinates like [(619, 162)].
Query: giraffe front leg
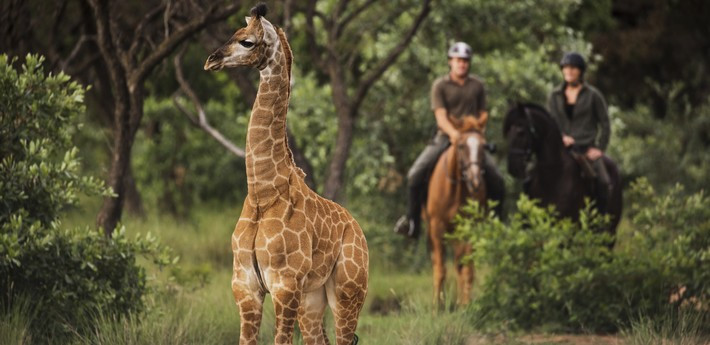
[(286, 297), (250, 310)]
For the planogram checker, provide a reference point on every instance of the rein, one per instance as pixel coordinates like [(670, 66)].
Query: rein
[(526, 152), (463, 165)]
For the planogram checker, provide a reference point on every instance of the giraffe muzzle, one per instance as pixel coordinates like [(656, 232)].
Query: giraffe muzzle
[(214, 61)]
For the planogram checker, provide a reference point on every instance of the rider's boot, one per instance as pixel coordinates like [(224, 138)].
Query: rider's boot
[(410, 225), (603, 186), (602, 197)]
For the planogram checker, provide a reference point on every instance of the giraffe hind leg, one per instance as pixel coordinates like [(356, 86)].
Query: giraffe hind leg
[(345, 301), (310, 317), (347, 286)]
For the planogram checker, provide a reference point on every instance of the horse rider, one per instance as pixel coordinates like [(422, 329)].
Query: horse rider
[(581, 113), (456, 94)]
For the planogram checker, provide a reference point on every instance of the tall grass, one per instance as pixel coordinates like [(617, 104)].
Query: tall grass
[(15, 323), (184, 318), (684, 327), (194, 305)]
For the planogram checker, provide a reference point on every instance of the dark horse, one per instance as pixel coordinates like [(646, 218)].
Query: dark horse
[(556, 177)]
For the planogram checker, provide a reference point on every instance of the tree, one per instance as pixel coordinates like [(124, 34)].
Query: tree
[(67, 31), (653, 51), (129, 65), (331, 36)]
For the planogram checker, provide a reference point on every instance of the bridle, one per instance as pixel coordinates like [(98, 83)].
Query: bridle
[(464, 165)]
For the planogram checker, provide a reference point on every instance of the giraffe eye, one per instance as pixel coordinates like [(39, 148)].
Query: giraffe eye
[(246, 44)]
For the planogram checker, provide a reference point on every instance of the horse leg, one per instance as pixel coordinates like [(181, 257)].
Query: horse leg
[(465, 273), (436, 235)]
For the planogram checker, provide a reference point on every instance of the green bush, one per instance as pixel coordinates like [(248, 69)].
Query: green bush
[(676, 227), (678, 142), (65, 274), (559, 275)]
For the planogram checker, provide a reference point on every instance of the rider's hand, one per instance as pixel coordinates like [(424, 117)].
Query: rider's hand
[(567, 140), (594, 153), (454, 137)]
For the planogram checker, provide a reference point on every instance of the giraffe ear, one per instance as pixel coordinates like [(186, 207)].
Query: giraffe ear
[(270, 36), (248, 20)]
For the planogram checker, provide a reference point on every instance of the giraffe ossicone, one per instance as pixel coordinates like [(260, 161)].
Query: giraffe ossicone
[(306, 251)]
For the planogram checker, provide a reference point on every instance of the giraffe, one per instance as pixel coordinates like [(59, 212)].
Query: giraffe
[(306, 251)]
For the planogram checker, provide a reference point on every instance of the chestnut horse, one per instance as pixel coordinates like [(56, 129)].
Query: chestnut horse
[(556, 177), (457, 176)]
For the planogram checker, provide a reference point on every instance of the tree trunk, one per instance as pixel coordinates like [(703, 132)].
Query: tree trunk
[(334, 182), (112, 207), (133, 201), (125, 129), (346, 122)]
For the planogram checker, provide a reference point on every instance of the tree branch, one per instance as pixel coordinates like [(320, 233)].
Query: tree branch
[(140, 28), (201, 120), (63, 64), (107, 48), (375, 73), (340, 26), (287, 15), (167, 46), (311, 36)]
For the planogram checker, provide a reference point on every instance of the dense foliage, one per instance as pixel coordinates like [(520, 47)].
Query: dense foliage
[(67, 274), (561, 275), (646, 56)]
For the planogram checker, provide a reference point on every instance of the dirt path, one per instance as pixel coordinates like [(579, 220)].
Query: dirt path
[(541, 339)]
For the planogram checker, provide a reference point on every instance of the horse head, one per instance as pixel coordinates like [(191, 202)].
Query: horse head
[(471, 155), (519, 131)]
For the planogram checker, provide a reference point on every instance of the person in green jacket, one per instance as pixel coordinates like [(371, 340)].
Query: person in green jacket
[(581, 113)]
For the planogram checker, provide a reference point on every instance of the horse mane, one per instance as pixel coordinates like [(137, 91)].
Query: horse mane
[(519, 109), (289, 61), (469, 123)]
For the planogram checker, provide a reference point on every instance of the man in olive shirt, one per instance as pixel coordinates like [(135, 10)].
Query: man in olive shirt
[(581, 113), (456, 94)]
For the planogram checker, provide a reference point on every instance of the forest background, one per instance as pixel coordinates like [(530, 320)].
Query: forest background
[(359, 115)]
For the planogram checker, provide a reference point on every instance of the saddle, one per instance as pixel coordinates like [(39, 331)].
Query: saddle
[(588, 172)]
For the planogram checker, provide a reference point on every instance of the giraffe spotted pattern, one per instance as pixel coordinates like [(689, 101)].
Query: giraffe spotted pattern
[(306, 251)]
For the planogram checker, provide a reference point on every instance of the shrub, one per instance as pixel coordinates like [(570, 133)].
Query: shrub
[(66, 274), (676, 227), (553, 273)]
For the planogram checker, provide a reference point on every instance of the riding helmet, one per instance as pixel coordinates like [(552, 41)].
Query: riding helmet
[(574, 59), (460, 50)]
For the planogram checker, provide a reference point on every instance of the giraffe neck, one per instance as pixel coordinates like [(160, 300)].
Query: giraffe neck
[(269, 161)]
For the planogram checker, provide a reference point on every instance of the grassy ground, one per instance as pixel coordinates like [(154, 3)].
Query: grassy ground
[(192, 302)]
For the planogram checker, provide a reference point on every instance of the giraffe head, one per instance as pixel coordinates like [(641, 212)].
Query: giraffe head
[(251, 46)]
